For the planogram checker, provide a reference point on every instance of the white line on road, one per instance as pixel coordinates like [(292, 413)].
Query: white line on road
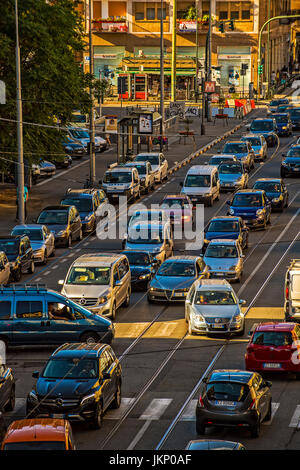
[(118, 413), (46, 273), (38, 279), (62, 173), (295, 421), (190, 412), (275, 407)]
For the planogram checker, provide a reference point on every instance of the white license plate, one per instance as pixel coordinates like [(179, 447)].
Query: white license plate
[(218, 325), (225, 403), (219, 274), (179, 294), (58, 416), (272, 365)]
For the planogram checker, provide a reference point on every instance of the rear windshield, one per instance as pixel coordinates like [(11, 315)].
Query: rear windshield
[(36, 445), (230, 169), (82, 204), (179, 203), (268, 186), (153, 159), (295, 112), (294, 152), (223, 226), (254, 141), (247, 200), (221, 251), (272, 338), (262, 126), (173, 268), (282, 118), (33, 234), (117, 177), (235, 148), (53, 217), (138, 259), (10, 247), (218, 160), (227, 391)]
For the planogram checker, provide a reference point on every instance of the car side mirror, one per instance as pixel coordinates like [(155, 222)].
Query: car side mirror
[(35, 374), (228, 202), (119, 283), (241, 301)]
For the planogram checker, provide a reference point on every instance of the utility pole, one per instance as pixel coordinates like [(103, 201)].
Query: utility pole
[(197, 53), (209, 61), (268, 64), (92, 113), (174, 33), (20, 171), (162, 77)]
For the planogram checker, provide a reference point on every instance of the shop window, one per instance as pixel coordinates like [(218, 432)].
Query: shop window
[(150, 14)]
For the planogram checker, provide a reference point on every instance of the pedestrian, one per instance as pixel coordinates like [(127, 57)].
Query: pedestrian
[(25, 196), (107, 138)]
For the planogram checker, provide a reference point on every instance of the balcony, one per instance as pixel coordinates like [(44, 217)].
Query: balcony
[(110, 25)]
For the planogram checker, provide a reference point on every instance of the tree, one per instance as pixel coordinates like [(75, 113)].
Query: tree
[(53, 84)]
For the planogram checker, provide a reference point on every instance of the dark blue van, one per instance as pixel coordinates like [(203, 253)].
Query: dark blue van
[(33, 314)]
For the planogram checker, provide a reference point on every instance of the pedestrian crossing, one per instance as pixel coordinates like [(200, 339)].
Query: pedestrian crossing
[(156, 409)]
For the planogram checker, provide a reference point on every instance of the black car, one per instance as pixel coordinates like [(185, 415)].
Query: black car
[(234, 398), (64, 221), (86, 202), (79, 382), (75, 149), (19, 254), (209, 444), (290, 165), (276, 191), (142, 267), (7, 389)]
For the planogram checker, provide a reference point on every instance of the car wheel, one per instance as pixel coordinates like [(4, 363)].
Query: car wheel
[(17, 275), (98, 418), (127, 299), (255, 430), (113, 311), (117, 398), (31, 268), (210, 202), (287, 202), (269, 414), (69, 242), (12, 400), (80, 235), (190, 330), (45, 258), (282, 174), (89, 337), (200, 428), (53, 253)]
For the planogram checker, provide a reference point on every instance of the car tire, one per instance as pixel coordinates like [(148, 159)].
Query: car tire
[(126, 302), (241, 333), (45, 258), (200, 428), (80, 236), (151, 301), (116, 403), (17, 275), (69, 242), (98, 418), (113, 311), (53, 253), (210, 202), (269, 414), (31, 268), (12, 400), (287, 202), (255, 430), (282, 174), (89, 337)]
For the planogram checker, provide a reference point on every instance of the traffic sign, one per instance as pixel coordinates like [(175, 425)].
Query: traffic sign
[(209, 87)]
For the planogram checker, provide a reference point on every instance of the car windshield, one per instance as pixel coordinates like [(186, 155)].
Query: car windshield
[(246, 200), (10, 247), (117, 177), (145, 234), (173, 268), (268, 186), (227, 391), (90, 275), (82, 204), (272, 338), (223, 226), (217, 297), (78, 118), (173, 202), (80, 134), (197, 181), (235, 148), (221, 251), (71, 368), (138, 259), (261, 126), (294, 152), (230, 168), (35, 445), (32, 234), (53, 217), (153, 159), (218, 160), (254, 141), (149, 216), (282, 119)]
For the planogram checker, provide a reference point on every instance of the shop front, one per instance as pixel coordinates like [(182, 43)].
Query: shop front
[(235, 67), (106, 61)]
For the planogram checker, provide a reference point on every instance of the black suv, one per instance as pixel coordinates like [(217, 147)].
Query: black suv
[(87, 202), (19, 254), (7, 392), (79, 382), (64, 221)]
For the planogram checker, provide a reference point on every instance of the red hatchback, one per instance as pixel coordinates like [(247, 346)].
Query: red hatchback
[(179, 208), (274, 347)]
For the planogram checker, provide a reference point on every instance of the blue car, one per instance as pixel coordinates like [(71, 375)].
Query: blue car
[(243, 152), (275, 190), (290, 165), (295, 117), (142, 267), (284, 123), (253, 206), (266, 127), (228, 228)]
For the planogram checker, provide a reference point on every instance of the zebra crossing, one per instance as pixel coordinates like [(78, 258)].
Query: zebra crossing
[(155, 410)]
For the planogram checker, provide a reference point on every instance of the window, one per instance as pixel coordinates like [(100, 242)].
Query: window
[(123, 268), (116, 275), (234, 11), (139, 11), (5, 309), (2, 370), (105, 362), (150, 14), (149, 11), (29, 309), (159, 13)]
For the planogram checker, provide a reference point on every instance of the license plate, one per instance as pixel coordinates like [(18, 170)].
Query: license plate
[(217, 325), (219, 274), (179, 294), (225, 403), (58, 416), (272, 365)]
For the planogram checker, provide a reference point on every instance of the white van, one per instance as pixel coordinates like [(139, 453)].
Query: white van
[(202, 184)]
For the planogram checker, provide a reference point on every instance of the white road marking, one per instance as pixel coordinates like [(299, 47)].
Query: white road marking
[(54, 267), (117, 414), (190, 412), (295, 421), (46, 273), (38, 279), (62, 173), (275, 407), (139, 435)]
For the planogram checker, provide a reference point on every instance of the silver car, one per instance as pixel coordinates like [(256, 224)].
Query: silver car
[(212, 306), (224, 259), (42, 240)]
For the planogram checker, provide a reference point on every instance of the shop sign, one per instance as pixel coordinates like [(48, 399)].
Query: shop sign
[(209, 87), (105, 56), (111, 124), (145, 123), (187, 26), (215, 97)]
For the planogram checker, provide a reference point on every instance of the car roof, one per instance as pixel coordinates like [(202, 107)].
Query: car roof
[(72, 194), (234, 142), (146, 154), (223, 241), (275, 326), (269, 180), (176, 196), (251, 136), (182, 258), (149, 224), (231, 375), (30, 226), (120, 169), (204, 444), (203, 169), (57, 208), (227, 155), (250, 191), (79, 350), (218, 284), (38, 429), (94, 259), (225, 217), (263, 119)]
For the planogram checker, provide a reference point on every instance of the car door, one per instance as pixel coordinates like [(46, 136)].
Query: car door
[(6, 270), (262, 395), (28, 326), (117, 289), (28, 252), (136, 182), (284, 193), (68, 328), (106, 383), (125, 277), (6, 318), (3, 276), (189, 302)]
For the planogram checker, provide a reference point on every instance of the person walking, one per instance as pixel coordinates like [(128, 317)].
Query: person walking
[(25, 196)]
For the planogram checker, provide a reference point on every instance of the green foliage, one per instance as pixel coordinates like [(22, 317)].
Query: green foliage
[(53, 85)]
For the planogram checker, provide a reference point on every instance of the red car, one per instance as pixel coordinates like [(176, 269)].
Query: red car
[(179, 208), (274, 347)]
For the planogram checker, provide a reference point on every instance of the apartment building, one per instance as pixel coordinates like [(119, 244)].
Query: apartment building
[(126, 41)]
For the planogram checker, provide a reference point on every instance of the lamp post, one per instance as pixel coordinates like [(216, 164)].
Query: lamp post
[(20, 170), (162, 78), (92, 114), (173, 73)]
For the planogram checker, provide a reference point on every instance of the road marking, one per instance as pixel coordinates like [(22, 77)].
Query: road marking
[(275, 407), (54, 267), (139, 435), (70, 255), (118, 413), (161, 330), (295, 418), (38, 279), (62, 173), (190, 412), (46, 273), (63, 260)]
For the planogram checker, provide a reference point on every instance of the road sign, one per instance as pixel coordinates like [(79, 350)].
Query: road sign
[(146, 123), (209, 87)]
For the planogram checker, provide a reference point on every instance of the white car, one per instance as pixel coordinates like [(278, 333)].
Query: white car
[(158, 162)]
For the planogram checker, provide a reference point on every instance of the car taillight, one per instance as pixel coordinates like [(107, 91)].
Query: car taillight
[(286, 292), (201, 404), (252, 405)]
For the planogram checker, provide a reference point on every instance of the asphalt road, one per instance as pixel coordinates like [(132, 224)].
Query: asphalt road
[(162, 364)]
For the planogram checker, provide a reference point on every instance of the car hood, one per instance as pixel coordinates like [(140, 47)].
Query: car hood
[(56, 228), (195, 190), (220, 263), (230, 177), (12, 258), (217, 311), (37, 244), (226, 235), (271, 195), (167, 282), (138, 270), (72, 290), (67, 388), (246, 210), (85, 214), (292, 161)]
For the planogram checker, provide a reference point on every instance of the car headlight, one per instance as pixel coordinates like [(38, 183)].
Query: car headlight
[(104, 298), (231, 211), (61, 233), (284, 127), (259, 211), (87, 399), (32, 397), (284, 163), (206, 241), (237, 318), (198, 317), (145, 276)]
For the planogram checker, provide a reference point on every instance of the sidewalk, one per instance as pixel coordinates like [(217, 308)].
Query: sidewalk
[(51, 191)]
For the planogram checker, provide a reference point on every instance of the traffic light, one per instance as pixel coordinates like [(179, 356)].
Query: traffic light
[(221, 27), (231, 25), (260, 69)]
